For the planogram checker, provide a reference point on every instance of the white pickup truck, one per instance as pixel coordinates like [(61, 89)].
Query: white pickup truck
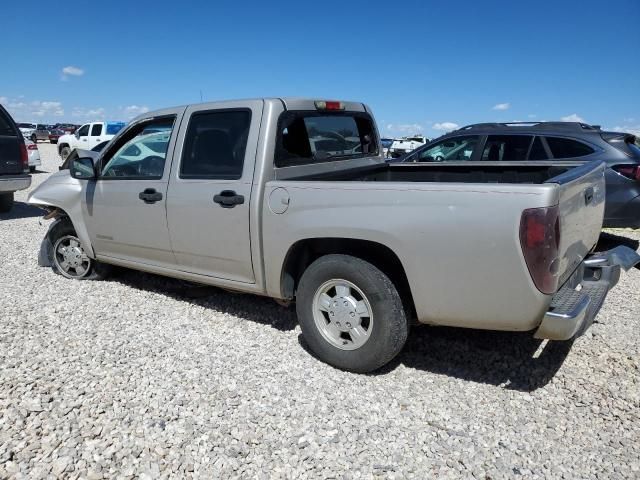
[(88, 136), (405, 145), (292, 199)]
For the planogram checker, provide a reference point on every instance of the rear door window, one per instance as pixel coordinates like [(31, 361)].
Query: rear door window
[(453, 149), (96, 130), (567, 148), (215, 144), (510, 148), (83, 131), (311, 137)]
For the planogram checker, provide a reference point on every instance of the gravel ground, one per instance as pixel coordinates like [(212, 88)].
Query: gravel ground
[(147, 377)]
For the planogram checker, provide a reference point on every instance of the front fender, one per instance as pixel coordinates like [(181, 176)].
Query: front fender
[(65, 193)]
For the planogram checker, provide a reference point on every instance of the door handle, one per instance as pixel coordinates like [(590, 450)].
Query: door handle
[(228, 199), (149, 195)]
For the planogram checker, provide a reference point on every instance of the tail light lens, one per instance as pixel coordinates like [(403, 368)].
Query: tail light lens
[(540, 242), (24, 156), (629, 171), (32, 146)]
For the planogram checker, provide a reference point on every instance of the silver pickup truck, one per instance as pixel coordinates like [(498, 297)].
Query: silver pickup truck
[(292, 199)]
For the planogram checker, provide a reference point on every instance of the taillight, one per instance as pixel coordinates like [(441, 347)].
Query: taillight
[(629, 171), (32, 146), (540, 242), (24, 156)]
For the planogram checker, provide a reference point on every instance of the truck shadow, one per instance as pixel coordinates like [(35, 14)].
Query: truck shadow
[(508, 359), (22, 210), (257, 309), (609, 240)]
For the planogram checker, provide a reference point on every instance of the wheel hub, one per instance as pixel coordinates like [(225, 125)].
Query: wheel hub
[(342, 312)]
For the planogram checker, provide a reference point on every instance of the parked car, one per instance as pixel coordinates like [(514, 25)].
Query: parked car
[(66, 127), (88, 136), (27, 129), (34, 155), (557, 142), (55, 134), (402, 146), (14, 161), (233, 194)]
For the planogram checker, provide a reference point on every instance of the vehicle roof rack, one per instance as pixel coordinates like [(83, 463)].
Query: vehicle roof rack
[(568, 126)]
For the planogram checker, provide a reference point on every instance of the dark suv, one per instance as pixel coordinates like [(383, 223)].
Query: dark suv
[(14, 161), (552, 142)]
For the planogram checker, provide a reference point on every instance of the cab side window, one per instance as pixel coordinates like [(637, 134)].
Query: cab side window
[(512, 148), (141, 152), (83, 131), (215, 144), (96, 130), (453, 149)]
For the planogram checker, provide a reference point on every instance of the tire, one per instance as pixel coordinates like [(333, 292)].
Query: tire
[(63, 236), (6, 202), (371, 300), (34, 138), (32, 169), (64, 152)]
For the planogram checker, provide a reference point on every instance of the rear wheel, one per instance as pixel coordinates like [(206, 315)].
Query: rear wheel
[(68, 258), (32, 169), (350, 313), (64, 152), (6, 202)]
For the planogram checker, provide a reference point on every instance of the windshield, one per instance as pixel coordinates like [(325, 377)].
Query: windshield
[(311, 137)]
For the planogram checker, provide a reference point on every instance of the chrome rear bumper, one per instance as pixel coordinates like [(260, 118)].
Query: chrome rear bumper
[(574, 307)]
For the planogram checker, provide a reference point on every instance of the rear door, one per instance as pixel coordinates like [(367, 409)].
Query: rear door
[(95, 135), (210, 190), (10, 140)]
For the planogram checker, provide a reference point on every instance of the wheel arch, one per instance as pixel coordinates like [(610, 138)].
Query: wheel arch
[(304, 252)]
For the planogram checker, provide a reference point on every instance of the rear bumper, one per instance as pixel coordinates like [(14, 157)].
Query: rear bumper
[(576, 304), (13, 183)]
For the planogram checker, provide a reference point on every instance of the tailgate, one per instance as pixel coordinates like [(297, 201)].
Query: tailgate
[(581, 211)]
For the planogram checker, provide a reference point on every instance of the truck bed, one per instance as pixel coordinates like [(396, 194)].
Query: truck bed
[(466, 172)]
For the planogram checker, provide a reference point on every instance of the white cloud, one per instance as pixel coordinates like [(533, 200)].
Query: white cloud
[(445, 126), (574, 117), (24, 111), (70, 70), (502, 106), (133, 111), (633, 129), (88, 115), (532, 115)]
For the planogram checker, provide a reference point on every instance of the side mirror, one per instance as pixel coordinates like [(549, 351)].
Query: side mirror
[(83, 169)]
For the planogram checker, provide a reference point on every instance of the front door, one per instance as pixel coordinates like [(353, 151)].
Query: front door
[(125, 209), (82, 136), (208, 203)]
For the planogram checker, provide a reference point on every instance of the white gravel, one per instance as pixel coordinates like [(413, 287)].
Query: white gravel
[(147, 377)]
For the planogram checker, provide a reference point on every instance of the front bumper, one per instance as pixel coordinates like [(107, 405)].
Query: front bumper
[(575, 306), (13, 183)]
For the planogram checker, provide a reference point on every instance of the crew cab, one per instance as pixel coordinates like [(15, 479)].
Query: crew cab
[(292, 199), (87, 136), (14, 161)]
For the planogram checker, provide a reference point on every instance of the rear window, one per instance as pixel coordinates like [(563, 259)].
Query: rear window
[(567, 148), (314, 137), (114, 127)]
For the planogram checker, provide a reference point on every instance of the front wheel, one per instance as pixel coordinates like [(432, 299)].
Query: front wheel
[(350, 313), (64, 152), (68, 258), (34, 138)]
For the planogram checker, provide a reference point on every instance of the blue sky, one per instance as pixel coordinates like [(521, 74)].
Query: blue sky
[(423, 66)]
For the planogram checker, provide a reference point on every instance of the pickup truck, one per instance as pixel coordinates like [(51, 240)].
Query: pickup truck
[(292, 199), (402, 146), (14, 161), (87, 136)]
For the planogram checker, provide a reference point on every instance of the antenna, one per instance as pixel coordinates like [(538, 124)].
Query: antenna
[(200, 96)]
